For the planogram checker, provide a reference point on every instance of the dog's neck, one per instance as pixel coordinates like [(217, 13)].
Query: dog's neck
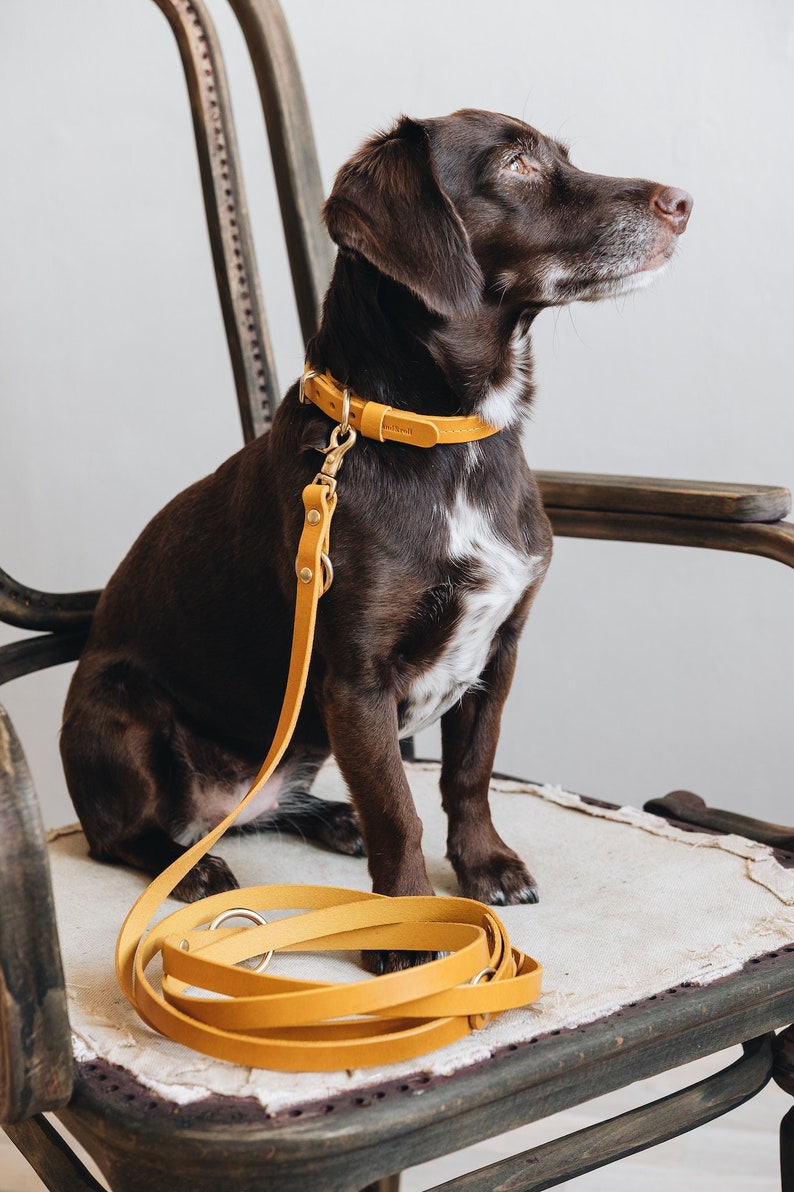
[(380, 339)]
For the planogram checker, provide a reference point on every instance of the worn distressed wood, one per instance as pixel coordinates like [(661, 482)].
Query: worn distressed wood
[(783, 1074), (395, 1127), (689, 808), (784, 1060), (27, 608), (787, 1152), (293, 151), (605, 1142), (226, 210), (37, 653), (51, 1157), (36, 1071), (775, 541), (677, 498)]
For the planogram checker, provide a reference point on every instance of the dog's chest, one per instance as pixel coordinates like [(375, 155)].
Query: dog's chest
[(496, 576)]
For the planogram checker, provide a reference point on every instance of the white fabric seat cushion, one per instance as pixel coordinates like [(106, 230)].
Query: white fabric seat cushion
[(629, 907)]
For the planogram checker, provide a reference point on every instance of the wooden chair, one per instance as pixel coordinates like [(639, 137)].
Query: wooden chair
[(142, 1140)]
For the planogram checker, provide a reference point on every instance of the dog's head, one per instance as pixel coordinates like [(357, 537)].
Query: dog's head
[(478, 206)]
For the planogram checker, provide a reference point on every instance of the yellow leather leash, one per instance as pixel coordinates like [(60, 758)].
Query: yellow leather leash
[(267, 1021)]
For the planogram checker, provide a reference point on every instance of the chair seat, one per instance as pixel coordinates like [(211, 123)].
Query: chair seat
[(631, 908)]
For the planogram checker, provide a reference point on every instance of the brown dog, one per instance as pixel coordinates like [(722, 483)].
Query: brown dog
[(453, 234)]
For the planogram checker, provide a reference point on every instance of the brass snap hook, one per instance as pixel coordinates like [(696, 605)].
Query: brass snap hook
[(337, 448)]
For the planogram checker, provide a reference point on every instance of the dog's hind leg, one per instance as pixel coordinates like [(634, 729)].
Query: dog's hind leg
[(126, 779), (153, 850)]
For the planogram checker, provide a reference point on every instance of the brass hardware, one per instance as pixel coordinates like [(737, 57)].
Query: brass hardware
[(342, 439), (307, 376), (328, 572), (241, 912), (478, 1021), (486, 972), (344, 422), (335, 451)]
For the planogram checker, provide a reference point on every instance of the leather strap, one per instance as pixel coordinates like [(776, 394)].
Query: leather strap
[(279, 1022), (376, 421)]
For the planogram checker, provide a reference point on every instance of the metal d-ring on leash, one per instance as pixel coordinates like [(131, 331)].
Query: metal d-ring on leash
[(268, 1021), (243, 912)]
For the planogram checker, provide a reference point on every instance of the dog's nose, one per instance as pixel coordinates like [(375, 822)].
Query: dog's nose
[(674, 206)]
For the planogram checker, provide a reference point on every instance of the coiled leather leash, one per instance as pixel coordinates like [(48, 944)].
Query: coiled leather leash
[(263, 1020)]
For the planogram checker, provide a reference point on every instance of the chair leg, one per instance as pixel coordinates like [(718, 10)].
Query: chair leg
[(783, 1074), (51, 1157), (787, 1152)]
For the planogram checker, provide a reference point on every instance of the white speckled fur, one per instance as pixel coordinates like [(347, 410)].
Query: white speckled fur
[(501, 404)]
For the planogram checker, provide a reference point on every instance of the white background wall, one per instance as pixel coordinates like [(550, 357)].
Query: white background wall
[(643, 668)]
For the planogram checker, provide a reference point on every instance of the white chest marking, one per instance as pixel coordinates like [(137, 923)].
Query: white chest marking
[(503, 575), (501, 404)]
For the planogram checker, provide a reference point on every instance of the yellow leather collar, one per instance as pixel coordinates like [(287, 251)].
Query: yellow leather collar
[(376, 421)]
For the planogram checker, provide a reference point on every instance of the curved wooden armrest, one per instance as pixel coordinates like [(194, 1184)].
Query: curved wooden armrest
[(676, 498), (732, 517), (27, 608), (35, 1042), (38, 653), (690, 809)]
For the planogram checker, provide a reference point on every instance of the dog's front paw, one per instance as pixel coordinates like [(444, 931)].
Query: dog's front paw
[(500, 881), (380, 963), (210, 875)]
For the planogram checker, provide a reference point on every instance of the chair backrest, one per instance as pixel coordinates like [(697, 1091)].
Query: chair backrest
[(297, 179), (34, 1031), (309, 248)]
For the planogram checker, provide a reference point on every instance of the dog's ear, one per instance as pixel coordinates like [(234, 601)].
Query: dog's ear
[(388, 205)]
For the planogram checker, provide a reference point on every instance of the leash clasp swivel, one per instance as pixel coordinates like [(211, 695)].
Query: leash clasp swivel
[(340, 443), (334, 454)]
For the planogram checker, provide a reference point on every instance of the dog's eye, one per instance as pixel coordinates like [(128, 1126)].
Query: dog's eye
[(522, 163)]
